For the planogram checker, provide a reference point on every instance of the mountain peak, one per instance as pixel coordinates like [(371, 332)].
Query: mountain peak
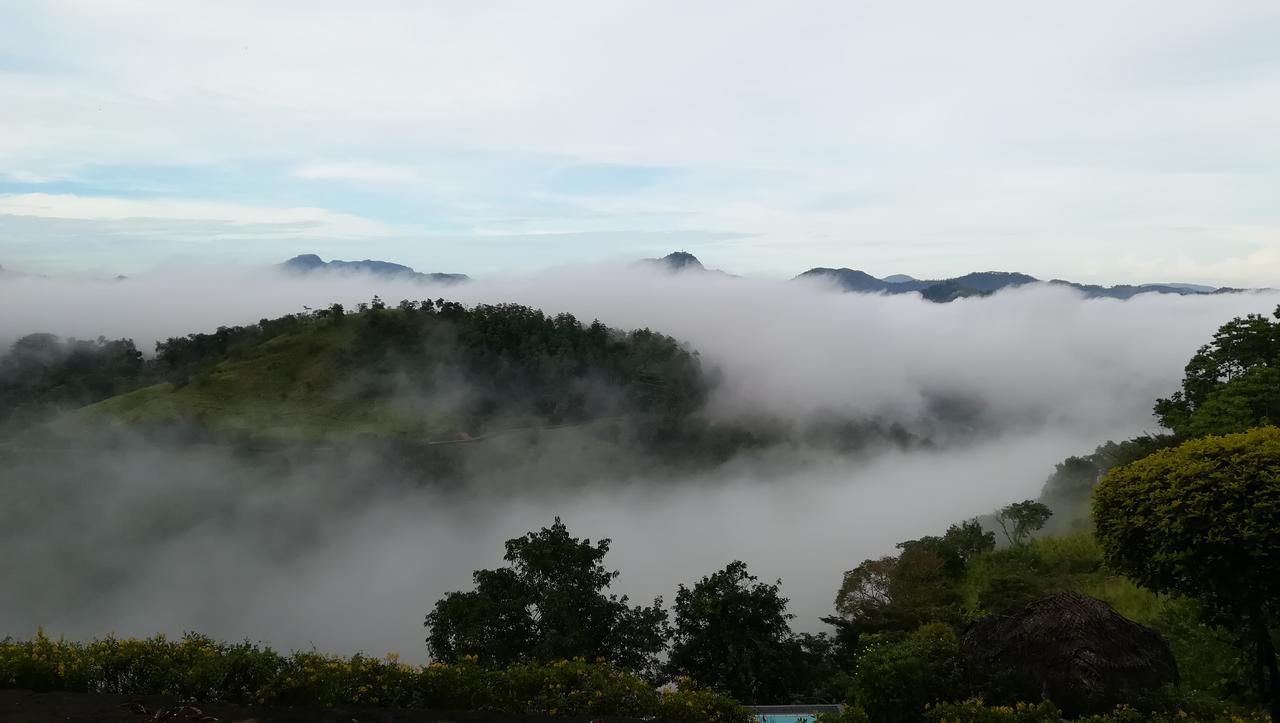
[(309, 263), (303, 262), (679, 262), (849, 279)]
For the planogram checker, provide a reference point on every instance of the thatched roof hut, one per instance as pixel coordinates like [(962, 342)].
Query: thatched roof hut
[(1071, 649)]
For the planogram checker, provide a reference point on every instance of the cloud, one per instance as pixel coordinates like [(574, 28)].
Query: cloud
[(195, 219), (340, 553), (1259, 267), (358, 171), (834, 133)]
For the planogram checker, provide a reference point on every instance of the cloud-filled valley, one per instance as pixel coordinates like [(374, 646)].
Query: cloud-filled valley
[(341, 554)]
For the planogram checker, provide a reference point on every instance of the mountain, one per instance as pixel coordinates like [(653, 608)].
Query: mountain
[(1200, 288), (992, 281), (856, 281), (679, 262), (311, 263), (984, 283)]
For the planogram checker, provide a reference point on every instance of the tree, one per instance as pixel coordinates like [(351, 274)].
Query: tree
[(733, 634), (1201, 520), (548, 604), (1020, 519), (919, 585), (1231, 384)]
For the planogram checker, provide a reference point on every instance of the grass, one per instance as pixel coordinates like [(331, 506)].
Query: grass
[(299, 386)]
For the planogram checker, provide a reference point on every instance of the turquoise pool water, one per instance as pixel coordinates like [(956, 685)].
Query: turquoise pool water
[(793, 718)]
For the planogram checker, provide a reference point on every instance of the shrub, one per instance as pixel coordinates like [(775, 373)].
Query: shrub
[(197, 668), (850, 714), (898, 676), (975, 710)]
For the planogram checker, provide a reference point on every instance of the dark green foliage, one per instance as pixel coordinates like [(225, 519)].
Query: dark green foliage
[(1210, 659), (975, 710), (514, 360), (733, 634), (921, 584), (42, 374), (1175, 710), (1069, 490), (1200, 520), (1014, 576), (200, 669), (1231, 384), (1020, 519), (518, 359), (548, 604), (899, 675)]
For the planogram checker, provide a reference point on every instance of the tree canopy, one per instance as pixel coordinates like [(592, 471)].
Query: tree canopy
[(733, 634), (1201, 520), (1231, 384), (42, 374), (548, 604), (1018, 520)]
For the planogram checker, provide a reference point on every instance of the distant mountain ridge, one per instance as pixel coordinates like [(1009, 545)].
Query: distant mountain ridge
[(978, 283), (985, 283), (311, 263)]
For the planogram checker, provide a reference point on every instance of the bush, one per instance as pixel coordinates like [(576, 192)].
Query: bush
[(197, 668), (850, 714), (975, 710), (897, 677)]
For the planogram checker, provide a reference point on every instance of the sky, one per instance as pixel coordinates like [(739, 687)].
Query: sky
[(1096, 141)]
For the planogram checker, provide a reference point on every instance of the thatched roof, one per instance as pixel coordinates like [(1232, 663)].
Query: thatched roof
[(1074, 650)]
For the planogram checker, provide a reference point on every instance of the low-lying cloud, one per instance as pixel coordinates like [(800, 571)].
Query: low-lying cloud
[(340, 554)]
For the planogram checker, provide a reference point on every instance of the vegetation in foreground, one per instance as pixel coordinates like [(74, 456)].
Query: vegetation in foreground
[(198, 668)]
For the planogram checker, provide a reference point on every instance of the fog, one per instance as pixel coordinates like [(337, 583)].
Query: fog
[(333, 553)]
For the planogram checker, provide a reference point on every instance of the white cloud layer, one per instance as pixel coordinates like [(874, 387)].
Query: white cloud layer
[(347, 562), (293, 222)]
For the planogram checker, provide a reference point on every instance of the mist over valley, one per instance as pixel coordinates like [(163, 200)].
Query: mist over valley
[(832, 426)]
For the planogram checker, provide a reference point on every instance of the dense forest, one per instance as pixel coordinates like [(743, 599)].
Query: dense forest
[(1176, 533), (418, 381)]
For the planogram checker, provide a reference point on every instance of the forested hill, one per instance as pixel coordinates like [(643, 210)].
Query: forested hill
[(432, 371)]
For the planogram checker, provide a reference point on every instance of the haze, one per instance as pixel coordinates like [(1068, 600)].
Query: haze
[(336, 555)]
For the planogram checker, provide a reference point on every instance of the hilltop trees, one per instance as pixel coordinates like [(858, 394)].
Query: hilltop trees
[(1231, 384), (42, 373), (1201, 520), (549, 603)]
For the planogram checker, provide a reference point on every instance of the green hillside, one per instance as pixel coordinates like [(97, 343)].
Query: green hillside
[(425, 372), (300, 384)]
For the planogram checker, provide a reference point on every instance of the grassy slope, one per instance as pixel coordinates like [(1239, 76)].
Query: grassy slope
[(298, 385), (1206, 658)]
